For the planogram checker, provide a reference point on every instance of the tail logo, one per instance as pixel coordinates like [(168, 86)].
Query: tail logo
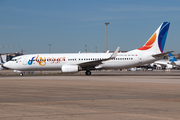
[(159, 36), (163, 35), (149, 43)]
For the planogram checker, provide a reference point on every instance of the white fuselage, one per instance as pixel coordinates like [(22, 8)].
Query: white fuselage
[(38, 62)]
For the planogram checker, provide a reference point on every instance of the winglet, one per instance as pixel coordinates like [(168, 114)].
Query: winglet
[(115, 53), (107, 51)]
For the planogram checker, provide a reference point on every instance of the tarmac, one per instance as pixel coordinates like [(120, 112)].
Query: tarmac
[(105, 95)]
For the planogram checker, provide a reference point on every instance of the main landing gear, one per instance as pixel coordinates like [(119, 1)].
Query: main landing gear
[(88, 72), (21, 74)]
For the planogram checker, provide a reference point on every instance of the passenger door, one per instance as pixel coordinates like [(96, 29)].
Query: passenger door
[(24, 61)]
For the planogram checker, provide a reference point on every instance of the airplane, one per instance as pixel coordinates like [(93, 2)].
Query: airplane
[(172, 62), (74, 62), (162, 64)]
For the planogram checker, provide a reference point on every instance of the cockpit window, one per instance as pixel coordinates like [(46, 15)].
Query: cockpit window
[(13, 59)]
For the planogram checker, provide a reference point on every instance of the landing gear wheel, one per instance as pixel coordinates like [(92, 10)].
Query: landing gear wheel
[(21, 74), (88, 72)]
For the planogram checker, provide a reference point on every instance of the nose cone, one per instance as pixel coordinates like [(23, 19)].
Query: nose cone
[(6, 65)]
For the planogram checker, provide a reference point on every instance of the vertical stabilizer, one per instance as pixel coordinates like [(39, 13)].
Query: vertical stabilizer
[(157, 41), (172, 58)]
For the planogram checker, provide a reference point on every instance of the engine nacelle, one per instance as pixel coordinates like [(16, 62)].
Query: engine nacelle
[(152, 64), (70, 68), (169, 66), (158, 66)]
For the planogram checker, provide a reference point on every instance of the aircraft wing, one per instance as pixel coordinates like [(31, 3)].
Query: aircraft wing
[(92, 64), (162, 64), (162, 54)]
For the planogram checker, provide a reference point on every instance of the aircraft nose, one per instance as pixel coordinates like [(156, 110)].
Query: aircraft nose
[(5, 65)]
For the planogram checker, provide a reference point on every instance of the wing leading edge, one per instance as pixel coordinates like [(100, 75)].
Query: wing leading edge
[(92, 64)]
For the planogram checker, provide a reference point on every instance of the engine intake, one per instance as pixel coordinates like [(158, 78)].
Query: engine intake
[(70, 68)]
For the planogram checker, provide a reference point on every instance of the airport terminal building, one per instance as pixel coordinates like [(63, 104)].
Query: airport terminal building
[(8, 56)]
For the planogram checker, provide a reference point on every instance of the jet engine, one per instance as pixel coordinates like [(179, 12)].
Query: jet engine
[(70, 68), (169, 66)]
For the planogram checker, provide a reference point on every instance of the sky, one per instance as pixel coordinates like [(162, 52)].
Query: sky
[(69, 25)]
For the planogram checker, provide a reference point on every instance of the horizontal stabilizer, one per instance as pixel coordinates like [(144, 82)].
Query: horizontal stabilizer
[(162, 54)]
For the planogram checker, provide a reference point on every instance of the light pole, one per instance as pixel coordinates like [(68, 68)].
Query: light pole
[(107, 23), (49, 48)]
